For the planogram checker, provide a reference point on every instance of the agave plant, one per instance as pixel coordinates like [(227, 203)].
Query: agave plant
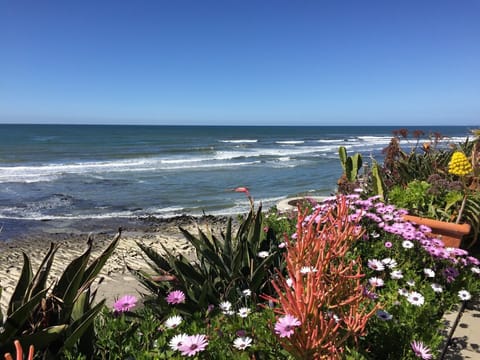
[(55, 317), (223, 267)]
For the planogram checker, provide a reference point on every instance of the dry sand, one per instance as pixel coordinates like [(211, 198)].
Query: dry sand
[(117, 280)]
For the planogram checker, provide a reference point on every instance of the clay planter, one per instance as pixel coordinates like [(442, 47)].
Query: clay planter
[(450, 233)]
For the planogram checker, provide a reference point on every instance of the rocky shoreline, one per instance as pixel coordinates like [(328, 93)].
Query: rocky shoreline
[(116, 279)]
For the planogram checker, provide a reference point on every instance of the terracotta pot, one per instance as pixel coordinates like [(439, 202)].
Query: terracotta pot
[(450, 233)]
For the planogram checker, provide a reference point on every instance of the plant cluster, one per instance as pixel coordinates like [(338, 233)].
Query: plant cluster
[(55, 317), (436, 179), (349, 278), (322, 292)]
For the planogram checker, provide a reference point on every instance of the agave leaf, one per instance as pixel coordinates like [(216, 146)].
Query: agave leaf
[(96, 266), (217, 263), (68, 286), (227, 243), (198, 243), (16, 321), (18, 297), (78, 327), (41, 339), (1, 314), (158, 260), (260, 274), (81, 305), (255, 232), (39, 281), (146, 280), (187, 271)]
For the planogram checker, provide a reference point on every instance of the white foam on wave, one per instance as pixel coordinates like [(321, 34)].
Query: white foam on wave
[(31, 174), (239, 141), (375, 139), (290, 142)]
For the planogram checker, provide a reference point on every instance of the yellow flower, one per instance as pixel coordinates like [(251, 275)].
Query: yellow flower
[(459, 164)]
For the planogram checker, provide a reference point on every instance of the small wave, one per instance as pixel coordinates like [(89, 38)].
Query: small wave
[(290, 142), (375, 139), (240, 141)]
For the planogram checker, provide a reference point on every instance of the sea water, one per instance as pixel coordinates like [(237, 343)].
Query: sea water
[(55, 172)]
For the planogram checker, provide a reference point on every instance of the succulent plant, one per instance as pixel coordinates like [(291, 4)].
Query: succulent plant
[(55, 317), (223, 267), (351, 165)]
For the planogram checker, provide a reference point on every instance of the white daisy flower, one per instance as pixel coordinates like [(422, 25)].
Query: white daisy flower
[(375, 264), (436, 287), (415, 298), (243, 312), (396, 274), (241, 343), (376, 282), (247, 292), (429, 273), (177, 341), (407, 244), (403, 292), (390, 263), (464, 295), (225, 305), (173, 321), (475, 270), (263, 254)]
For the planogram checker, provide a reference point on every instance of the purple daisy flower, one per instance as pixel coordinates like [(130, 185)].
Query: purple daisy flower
[(285, 326), (421, 350), (384, 315), (125, 303), (175, 297), (192, 345)]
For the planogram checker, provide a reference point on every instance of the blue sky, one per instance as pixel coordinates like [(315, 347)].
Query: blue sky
[(230, 62)]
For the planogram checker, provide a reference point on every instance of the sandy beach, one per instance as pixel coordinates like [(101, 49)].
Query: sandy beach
[(117, 280)]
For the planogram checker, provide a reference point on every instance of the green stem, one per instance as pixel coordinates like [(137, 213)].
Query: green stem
[(459, 217)]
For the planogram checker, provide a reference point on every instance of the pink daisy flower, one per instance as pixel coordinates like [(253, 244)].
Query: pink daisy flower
[(175, 297), (421, 350), (285, 325), (125, 303), (192, 345)]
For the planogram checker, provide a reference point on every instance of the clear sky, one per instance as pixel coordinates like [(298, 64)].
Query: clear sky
[(229, 62)]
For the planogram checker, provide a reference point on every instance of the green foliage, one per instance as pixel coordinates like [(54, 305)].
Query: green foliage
[(143, 334), (377, 181), (55, 317), (223, 267), (351, 165)]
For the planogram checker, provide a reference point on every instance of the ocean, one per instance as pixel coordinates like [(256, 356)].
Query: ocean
[(88, 172)]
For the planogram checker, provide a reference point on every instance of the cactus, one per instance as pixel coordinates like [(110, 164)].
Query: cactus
[(351, 164), (342, 153), (377, 181), (55, 317)]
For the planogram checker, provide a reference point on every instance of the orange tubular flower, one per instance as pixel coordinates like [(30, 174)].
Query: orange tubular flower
[(326, 295), (19, 352)]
